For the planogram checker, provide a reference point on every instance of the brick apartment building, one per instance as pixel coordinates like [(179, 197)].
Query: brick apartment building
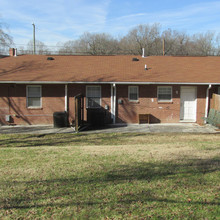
[(170, 89)]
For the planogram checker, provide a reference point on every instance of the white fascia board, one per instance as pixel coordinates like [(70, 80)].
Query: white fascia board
[(111, 83)]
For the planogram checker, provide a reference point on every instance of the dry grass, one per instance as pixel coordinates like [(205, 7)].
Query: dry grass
[(152, 151), (110, 176)]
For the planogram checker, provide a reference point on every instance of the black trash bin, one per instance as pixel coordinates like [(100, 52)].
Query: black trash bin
[(96, 117), (60, 119)]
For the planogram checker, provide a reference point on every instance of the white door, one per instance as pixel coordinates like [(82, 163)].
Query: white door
[(188, 103)]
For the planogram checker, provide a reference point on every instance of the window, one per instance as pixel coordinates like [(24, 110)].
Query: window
[(93, 96), (164, 94), (34, 96), (133, 93)]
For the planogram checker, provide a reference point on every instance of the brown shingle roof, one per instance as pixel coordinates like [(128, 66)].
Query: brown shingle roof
[(110, 69)]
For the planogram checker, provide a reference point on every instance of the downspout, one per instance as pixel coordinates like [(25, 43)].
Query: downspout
[(207, 102), (114, 118), (9, 101), (113, 102), (66, 98)]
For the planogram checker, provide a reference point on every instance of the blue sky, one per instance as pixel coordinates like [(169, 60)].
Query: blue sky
[(63, 20)]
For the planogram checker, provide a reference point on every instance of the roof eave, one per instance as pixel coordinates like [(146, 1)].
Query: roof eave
[(117, 83)]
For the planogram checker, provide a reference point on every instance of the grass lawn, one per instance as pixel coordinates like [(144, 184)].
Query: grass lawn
[(110, 176)]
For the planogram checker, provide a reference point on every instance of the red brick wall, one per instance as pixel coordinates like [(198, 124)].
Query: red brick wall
[(160, 112), (148, 104), (52, 101), (201, 103), (13, 102), (4, 103)]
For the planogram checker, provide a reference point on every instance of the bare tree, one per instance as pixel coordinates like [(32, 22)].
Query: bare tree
[(92, 44), (217, 48), (142, 36), (21, 50), (176, 43), (146, 36), (5, 39), (97, 44), (204, 44), (41, 48), (67, 48)]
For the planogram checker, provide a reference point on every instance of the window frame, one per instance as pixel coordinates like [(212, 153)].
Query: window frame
[(129, 92), (27, 97), (165, 100), (100, 105), (218, 90)]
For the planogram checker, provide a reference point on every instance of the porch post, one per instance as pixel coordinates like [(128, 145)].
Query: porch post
[(207, 102), (66, 98)]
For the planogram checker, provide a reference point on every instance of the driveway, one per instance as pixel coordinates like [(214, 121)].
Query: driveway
[(144, 128)]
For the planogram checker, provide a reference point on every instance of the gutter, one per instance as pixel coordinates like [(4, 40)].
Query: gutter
[(113, 103), (110, 83), (66, 99)]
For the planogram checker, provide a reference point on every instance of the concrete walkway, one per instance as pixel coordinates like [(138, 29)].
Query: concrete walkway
[(144, 128)]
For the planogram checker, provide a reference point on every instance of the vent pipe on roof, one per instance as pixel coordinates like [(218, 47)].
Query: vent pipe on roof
[(145, 67), (135, 59), (142, 52), (50, 58)]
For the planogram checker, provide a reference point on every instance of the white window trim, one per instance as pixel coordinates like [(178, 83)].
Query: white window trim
[(33, 107), (218, 90), (100, 97), (132, 100), (171, 100)]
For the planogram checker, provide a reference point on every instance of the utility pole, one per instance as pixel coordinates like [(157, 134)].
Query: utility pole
[(163, 47), (34, 48)]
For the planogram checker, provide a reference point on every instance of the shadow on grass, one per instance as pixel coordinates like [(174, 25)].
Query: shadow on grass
[(25, 140), (127, 200), (72, 187), (64, 139)]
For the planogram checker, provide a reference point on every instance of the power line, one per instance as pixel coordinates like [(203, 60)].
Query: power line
[(27, 45)]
